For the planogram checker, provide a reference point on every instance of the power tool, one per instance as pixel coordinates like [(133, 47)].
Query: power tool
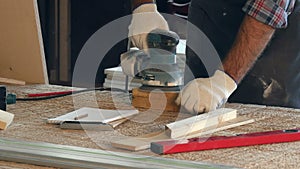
[(158, 70), (156, 66), (6, 98), (2, 97)]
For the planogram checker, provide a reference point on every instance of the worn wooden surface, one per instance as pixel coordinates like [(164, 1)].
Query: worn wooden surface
[(29, 124)]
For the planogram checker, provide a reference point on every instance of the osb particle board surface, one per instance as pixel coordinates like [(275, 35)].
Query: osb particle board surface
[(12, 165), (29, 124)]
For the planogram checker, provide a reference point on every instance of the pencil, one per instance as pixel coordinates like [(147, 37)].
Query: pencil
[(81, 116)]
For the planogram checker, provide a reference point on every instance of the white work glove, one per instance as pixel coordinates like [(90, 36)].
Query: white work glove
[(145, 18), (206, 94), (133, 62)]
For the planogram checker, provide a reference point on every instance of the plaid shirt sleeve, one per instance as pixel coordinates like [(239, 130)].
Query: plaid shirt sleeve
[(270, 12)]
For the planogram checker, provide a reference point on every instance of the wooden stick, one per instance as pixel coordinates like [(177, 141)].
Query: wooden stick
[(12, 81), (81, 116), (200, 122)]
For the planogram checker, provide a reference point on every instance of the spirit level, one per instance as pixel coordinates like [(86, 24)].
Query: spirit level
[(198, 144)]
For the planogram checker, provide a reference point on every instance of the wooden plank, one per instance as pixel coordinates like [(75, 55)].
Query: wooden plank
[(156, 100), (223, 126), (21, 47), (143, 142), (11, 81), (196, 123), (139, 143)]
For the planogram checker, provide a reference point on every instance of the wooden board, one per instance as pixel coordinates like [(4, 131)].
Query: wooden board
[(11, 81), (202, 121), (21, 47), (139, 143), (156, 100), (143, 142)]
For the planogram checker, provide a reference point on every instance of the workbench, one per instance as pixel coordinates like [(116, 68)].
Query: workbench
[(30, 125)]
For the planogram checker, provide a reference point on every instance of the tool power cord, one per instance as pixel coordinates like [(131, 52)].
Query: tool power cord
[(67, 94)]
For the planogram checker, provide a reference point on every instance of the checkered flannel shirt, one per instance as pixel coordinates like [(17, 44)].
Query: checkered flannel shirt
[(270, 12)]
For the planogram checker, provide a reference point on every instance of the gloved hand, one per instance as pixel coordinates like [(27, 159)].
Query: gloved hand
[(206, 94), (133, 62), (145, 18)]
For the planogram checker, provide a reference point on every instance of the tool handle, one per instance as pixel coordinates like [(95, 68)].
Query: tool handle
[(49, 93)]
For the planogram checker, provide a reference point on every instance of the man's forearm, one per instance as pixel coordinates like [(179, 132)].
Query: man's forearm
[(251, 40), (136, 3)]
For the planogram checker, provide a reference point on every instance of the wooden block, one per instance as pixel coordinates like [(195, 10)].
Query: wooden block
[(132, 144), (139, 143), (21, 46), (143, 142), (197, 123), (156, 100), (5, 119)]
